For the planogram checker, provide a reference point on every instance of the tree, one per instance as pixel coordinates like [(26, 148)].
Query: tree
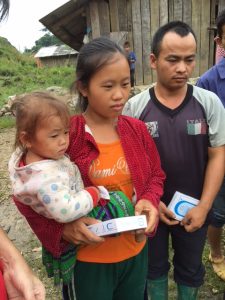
[(46, 40)]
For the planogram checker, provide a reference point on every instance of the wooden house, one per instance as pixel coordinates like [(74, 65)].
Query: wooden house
[(136, 20), (53, 56)]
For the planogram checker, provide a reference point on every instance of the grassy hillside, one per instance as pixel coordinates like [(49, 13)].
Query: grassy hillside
[(19, 74)]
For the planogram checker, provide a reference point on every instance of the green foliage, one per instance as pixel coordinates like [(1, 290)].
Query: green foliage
[(46, 40), (19, 73), (7, 122)]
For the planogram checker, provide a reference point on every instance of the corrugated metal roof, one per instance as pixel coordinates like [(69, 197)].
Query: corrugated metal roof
[(55, 51)]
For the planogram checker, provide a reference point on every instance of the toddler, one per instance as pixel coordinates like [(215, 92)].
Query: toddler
[(42, 176)]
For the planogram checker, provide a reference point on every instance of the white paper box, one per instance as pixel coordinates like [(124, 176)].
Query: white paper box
[(181, 204), (119, 225)]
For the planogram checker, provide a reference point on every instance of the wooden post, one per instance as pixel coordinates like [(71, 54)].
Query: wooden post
[(164, 16), (178, 8), (154, 6), (104, 19), (94, 16), (187, 12), (122, 13), (114, 18), (204, 36), (221, 5), (212, 34), (129, 22), (196, 23), (137, 38), (146, 40)]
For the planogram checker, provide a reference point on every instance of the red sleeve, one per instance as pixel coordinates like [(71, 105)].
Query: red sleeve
[(143, 160), (3, 295), (48, 231), (94, 194), (155, 180)]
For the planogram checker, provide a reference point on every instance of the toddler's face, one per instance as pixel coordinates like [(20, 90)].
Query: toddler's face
[(51, 139)]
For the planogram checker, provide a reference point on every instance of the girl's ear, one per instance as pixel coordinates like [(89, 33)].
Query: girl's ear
[(80, 87), (24, 140)]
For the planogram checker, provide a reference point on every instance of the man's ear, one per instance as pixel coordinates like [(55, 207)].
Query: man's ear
[(218, 41), (80, 87), (153, 60), (25, 141)]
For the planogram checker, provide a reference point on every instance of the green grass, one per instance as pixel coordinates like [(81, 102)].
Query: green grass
[(213, 285), (19, 73), (7, 122)]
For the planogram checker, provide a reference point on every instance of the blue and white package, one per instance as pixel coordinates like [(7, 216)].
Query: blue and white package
[(117, 225), (181, 204)]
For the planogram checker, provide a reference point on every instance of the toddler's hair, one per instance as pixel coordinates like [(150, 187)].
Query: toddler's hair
[(35, 108)]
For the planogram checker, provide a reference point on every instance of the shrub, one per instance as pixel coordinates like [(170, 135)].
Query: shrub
[(7, 122)]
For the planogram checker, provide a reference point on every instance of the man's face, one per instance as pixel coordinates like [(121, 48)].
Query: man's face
[(176, 60)]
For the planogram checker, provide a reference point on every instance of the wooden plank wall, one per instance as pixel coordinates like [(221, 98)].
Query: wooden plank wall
[(56, 61), (221, 5), (203, 53), (141, 18), (95, 19), (196, 23), (137, 39), (212, 32), (146, 30)]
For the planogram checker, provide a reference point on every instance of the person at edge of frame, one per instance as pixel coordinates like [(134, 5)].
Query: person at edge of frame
[(214, 80), (17, 280)]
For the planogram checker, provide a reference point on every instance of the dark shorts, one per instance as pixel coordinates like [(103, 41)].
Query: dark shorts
[(218, 216), (132, 77)]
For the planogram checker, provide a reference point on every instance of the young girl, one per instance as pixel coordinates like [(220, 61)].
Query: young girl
[(41, 175), (117, 152), (45, 179)]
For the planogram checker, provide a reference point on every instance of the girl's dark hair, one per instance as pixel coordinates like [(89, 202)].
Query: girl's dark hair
[(92, 57), (179, 27), (35, 108), (4, 9), (220, 21)]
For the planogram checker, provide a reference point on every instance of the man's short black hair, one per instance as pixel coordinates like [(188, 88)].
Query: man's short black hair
[(179, 27), (220, 21)]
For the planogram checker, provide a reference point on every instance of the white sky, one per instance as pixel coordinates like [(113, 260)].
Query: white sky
[(22, 27)]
